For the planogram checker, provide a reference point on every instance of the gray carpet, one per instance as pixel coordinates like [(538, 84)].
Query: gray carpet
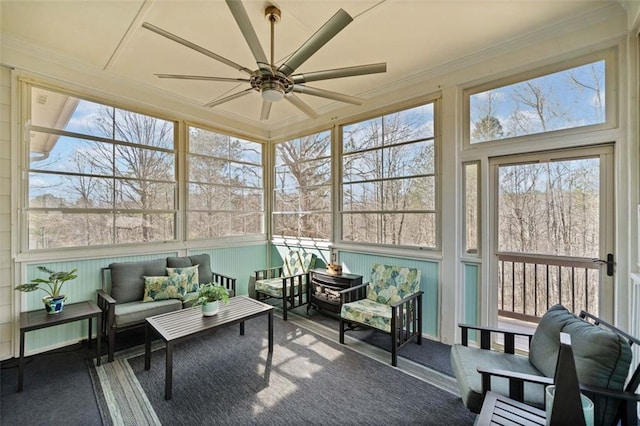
[(431, 354), (224, 378), (57, 390)]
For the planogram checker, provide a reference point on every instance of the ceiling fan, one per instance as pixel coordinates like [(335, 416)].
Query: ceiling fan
[(277, 82)]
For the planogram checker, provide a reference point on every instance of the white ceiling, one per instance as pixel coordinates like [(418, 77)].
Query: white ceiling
[(410, 36)]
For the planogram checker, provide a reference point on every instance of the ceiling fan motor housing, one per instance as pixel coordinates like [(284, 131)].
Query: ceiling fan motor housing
[(272, 86)]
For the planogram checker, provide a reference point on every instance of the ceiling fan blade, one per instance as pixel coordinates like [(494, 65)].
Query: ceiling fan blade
[(322, 93), (202, 77), (195, 47), (266, 110), (228, 98), (340, 72), (298, 103), (332, 27), (242, 19)]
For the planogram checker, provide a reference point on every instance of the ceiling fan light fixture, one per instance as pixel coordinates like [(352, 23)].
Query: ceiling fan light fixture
[(272, 91)]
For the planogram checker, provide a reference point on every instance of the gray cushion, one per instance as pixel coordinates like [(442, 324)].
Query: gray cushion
[(202, 260), (602, 357), (132, 313), (545, 344), (127, 278), (465, 361)]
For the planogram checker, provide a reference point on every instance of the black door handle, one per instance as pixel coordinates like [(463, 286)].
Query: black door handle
[(609, 262)]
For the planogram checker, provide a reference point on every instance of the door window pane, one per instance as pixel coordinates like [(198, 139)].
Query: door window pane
[(550, 207)]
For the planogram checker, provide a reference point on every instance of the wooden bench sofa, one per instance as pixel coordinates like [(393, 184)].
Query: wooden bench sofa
[(133, 291)]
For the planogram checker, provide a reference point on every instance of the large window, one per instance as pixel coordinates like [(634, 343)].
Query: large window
[(389, 183), (97, 174), (302, 189), (225, 185), (569, 98)]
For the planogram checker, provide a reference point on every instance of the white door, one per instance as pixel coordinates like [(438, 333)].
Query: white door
[(552, 219)]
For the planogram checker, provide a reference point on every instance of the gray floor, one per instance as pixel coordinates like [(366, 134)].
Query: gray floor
[(58, 388)]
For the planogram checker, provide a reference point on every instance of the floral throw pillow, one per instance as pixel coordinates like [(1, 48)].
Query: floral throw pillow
[(163, 288), (189, 276)]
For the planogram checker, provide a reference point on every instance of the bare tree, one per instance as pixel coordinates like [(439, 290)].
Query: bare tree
[(303, 186)]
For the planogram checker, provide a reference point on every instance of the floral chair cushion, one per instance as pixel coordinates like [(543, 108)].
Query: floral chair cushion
[(390, 284), (163, 288), (295, 263), (189, 276), (368, 312), (273, 286)]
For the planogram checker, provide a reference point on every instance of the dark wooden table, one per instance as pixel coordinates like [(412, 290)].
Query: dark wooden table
[(177, 325), (35, 320), (500, 410), (321, 278)]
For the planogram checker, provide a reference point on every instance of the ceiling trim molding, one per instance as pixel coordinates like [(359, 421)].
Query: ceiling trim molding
[(133, 27)]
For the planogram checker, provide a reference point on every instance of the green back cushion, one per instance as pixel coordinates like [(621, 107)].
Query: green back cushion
[(127, 278), (602, 357), (202, 260), (543, 351), (390, 284)]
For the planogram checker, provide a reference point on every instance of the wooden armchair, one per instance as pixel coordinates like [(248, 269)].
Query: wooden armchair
[(393, 305), (288, 282), (566, 408), (602, 359)]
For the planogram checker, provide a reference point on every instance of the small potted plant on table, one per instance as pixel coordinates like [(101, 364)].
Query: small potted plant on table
[(209, 297), (54, 301)]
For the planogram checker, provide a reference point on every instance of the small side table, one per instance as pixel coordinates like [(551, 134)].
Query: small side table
[(35, 320), (321, 279)]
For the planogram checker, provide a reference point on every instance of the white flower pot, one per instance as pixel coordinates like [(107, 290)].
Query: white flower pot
[(210, 308)]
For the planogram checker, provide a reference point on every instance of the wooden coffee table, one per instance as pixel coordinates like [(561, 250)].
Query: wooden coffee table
[(174, 326)]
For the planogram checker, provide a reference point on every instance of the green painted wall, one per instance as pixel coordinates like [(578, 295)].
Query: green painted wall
[(358, 263), (470, 297)]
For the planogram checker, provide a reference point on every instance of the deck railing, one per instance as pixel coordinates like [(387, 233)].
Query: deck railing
[(528, 285)]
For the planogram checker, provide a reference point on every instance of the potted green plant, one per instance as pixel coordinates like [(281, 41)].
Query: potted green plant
[(209, 297), (54, 301)]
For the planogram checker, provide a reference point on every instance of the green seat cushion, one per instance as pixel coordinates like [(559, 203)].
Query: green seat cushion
[(133, 313), (368, 312), (465, 361)]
